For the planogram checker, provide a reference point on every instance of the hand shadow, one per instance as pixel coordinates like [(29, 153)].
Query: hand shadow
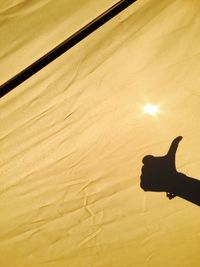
[(159, 174)]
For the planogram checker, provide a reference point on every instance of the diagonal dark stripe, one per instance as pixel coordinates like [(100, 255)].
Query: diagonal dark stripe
[(64, 46)]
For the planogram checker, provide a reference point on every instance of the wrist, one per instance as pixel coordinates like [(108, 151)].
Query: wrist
[(177, 182)]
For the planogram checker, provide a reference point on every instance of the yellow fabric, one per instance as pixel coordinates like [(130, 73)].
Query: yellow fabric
[(29, 29), (73, 136)]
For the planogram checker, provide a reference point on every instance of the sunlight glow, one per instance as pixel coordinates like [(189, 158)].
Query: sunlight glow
[(151, 109)]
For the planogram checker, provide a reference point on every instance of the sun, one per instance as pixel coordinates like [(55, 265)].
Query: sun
[(151, 109)]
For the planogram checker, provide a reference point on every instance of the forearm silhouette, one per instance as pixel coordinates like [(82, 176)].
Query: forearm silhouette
[(159, 174)]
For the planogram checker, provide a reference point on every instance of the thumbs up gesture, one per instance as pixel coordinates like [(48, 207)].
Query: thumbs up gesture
[(159, 173)]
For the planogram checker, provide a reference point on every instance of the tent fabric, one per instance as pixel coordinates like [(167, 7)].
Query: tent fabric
[(73, 137), (30, 29)]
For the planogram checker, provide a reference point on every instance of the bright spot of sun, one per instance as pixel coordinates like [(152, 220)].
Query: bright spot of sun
[(151, 109)]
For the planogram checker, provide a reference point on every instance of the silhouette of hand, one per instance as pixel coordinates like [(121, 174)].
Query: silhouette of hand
[(159, 173)]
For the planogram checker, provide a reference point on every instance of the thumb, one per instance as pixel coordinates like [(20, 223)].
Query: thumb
[(171, 154)]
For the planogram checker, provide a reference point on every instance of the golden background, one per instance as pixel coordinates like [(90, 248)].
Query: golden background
[(72, 137)]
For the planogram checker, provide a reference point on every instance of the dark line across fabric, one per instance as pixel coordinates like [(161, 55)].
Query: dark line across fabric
[(64, 46)]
